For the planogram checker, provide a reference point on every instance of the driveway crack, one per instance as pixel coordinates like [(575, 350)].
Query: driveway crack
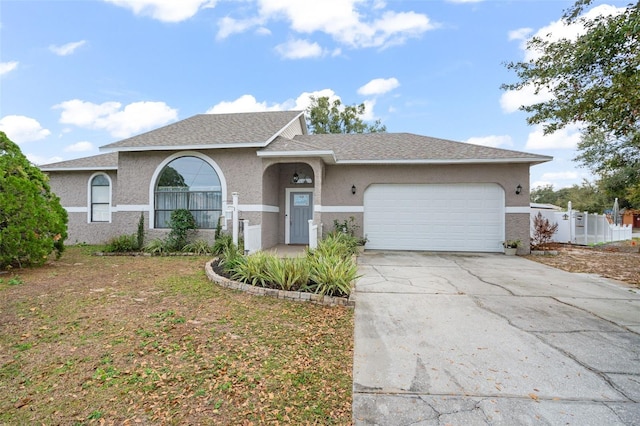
[(479, 278)]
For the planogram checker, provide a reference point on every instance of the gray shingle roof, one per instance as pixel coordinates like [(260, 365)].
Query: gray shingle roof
[(97, 162), (208, 130), (395, 147)]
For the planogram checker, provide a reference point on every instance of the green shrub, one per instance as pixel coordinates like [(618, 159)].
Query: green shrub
[(287, 274), (252, 269), (336, 244), (221, 243), (328, 270), (347, 226), (181, 224), (122, 244), (332, 275), (231, 255), (199, 247), (156, 246), (141, 231), (33, 223)]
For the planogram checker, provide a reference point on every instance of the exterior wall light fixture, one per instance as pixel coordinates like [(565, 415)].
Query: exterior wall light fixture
[(518, 189), (353, 189)]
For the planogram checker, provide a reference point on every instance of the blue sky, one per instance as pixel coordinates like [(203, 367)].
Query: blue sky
[(76, 75)]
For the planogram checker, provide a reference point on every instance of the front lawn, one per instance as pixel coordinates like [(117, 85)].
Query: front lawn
[(87, 340)]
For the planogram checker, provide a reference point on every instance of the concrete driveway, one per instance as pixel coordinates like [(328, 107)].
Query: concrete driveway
[(475, 339)]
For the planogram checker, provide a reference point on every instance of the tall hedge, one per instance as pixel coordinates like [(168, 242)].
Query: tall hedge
[(33, 224)]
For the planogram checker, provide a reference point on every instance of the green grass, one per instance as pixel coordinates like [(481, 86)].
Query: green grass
[(160, 344)]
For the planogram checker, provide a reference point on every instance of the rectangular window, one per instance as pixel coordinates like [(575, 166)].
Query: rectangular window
[(100, 203), (205, 206)]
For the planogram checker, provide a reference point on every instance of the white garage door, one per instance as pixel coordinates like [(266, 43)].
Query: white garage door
[(438, 217)]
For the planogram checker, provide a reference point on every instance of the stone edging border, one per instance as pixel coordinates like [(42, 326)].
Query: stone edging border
[(297, 296)]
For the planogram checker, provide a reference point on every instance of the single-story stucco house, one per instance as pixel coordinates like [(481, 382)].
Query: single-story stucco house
[(405, 191)]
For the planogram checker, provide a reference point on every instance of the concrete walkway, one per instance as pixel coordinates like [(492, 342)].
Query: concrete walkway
[(476, 339)]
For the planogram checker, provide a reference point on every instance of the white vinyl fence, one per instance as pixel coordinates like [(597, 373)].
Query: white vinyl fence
[(583, 228), (313, 235), (252, 235)]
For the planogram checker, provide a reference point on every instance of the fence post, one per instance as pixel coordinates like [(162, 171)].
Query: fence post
[(572, 222), (313, 235), (234, 198), (586, 228), (245, 232)]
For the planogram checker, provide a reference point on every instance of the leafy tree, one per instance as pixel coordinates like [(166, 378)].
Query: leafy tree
[(594, 79), (324, 116), (33, 224), (170, 177), (585, 197), (617, 162)]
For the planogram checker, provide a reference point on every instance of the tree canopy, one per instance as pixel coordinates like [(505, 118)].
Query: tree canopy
[(33, 224), (594, 81), (324, 116), (585, 197)]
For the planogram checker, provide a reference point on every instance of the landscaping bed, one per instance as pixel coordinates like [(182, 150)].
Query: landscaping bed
[(619, 261), (150, 340)]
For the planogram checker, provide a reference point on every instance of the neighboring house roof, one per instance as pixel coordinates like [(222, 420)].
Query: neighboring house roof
[(544, 206), (205, 131), (385, 148), (97, 162)]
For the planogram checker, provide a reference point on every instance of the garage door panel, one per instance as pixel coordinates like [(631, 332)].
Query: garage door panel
[(439, 217)]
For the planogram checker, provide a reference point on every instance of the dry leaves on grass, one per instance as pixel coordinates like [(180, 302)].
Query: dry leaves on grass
[(93, 340), (619, 261)]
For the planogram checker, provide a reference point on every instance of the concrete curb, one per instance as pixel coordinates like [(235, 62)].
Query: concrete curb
[(297, 296)]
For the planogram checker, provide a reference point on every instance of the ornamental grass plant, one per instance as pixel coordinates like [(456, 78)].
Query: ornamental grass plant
[(329, 270)]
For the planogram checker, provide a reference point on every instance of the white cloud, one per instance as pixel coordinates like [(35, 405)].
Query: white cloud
[(165, 10), (38, 159), (379, 86), (511, 100), (299, 49), (557, 30), (565, 138), (6, 67), (248, 103), (520, 34), (79, 147), (559, 176), (120, 123), (21, 129), (245, 103), (67, 49), (303, 101), (229, 26), (493, 141), (368, 115), (540, 183), (350, 22)]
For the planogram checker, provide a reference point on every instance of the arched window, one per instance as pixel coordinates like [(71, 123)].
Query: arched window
[(100, 199), (188, 183)]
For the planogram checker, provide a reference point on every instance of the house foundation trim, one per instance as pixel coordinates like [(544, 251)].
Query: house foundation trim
[(338, 209), (516, 209)]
